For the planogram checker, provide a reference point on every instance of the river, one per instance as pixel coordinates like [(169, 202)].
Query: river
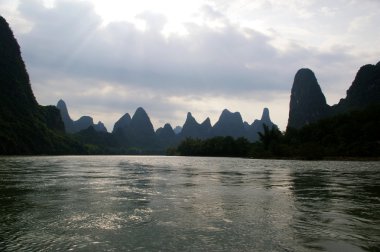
[(157, 203)]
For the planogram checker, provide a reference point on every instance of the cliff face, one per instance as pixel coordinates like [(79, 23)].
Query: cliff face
[(68, 122), (25, 126), (14, 79), (307, 102), (364, 91)]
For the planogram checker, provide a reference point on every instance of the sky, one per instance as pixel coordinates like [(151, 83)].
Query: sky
[(105, 58)]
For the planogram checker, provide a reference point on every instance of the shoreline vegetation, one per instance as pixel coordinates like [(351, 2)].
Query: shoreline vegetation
[(345, 136)]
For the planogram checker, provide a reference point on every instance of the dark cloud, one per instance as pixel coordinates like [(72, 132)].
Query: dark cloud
[(69, 51), (70, 39)]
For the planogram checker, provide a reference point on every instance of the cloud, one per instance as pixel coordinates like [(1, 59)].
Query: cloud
[(229, 59), (72, 54)]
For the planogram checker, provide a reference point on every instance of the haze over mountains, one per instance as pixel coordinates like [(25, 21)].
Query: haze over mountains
[(82, 123), (28, 128), (138, 130)]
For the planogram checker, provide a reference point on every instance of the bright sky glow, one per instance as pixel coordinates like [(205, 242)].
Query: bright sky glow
[(176, 12), (108, 57)]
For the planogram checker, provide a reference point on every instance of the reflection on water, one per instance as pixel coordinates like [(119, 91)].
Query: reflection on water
[(335, 209), (188, 204)]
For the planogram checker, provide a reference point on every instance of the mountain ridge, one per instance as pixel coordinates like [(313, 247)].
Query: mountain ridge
[(308, 103), (25, 126), (84, 122)]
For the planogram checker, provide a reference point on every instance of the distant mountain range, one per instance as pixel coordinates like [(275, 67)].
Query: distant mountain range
[(82, 123), (28, 128), (137, 131)]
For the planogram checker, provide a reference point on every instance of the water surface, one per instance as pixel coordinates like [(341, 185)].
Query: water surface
[(124, 203)]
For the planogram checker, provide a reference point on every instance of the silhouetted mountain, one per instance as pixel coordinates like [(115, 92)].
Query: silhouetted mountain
[(82, 123), (258, 126), (68, 122), (166, 136), (364, 91), (165, 132), (25, 126), (122, 122), (307, 102), (15, 84), (100, 127), (229, 124), (141, 122), (139, 132), (265, 118), (99, 141), (328, 138), (191, 128), (205, 128)]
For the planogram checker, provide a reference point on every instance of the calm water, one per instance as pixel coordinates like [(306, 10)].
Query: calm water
[(128, 203)]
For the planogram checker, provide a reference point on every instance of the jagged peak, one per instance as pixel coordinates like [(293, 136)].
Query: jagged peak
[(166, 131), (225, 112), (265, 116), (168, 126), (190, 119), (189, 115), (307, 101), (304, 77), (140, 110), (122, 122), (226, 115), (125, 118), (207, 121), (61, 103), (140, 114), (100, 127)]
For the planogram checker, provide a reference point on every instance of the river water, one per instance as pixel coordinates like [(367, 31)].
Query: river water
[(133, 203)]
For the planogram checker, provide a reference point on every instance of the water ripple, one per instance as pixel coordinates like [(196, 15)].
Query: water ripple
[(121, 203)]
